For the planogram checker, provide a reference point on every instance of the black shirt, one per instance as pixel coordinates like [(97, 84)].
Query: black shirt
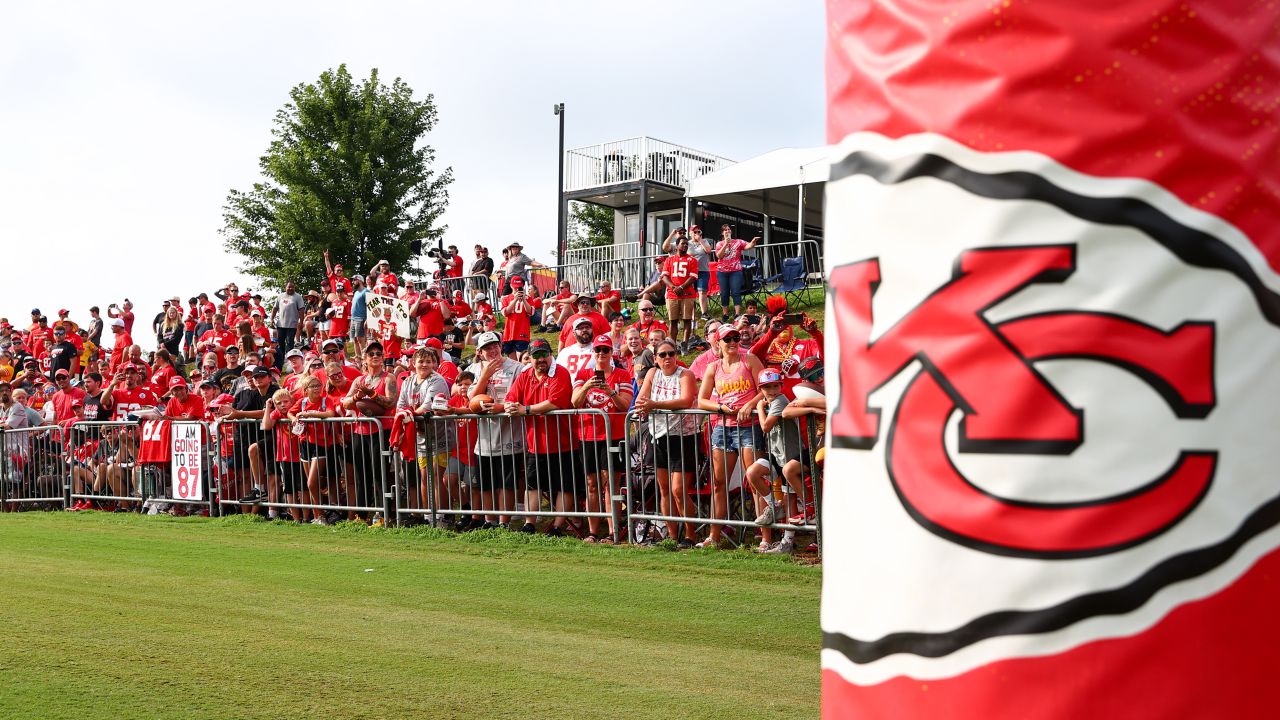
[(61, 356)]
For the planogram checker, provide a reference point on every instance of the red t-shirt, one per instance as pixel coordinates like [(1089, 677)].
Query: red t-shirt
[(546, 434), (589, 426), (129, 400), (448, 371), (337, 282), (681, 268), (456, 269), (655, 325), (389, 279), (160, 379), (614, 296), (127, 318), (121, 341), (263, 332), (483, 308), (340, 318), (460, 309), (599, 326), (319, 432), (286, 441), (517, 325), (431, 320), (466, 449), (193, 408)]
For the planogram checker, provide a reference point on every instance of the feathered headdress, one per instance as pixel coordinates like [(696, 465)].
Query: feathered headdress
[(775, 304)]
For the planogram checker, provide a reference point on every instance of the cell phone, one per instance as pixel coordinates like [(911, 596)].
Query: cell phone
[(600, 375), (793, 318)]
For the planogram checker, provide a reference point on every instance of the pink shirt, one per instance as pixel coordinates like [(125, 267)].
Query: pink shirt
[(733, 261), (734, 387)]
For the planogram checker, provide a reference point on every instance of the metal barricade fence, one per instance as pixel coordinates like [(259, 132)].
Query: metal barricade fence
[(682, 485), (320, 470), (468, 284), (476, 469), (32, 469), (103, 461)]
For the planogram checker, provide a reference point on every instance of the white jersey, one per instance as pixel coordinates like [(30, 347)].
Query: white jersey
[(664, 388), (576, 357), (497, 436)]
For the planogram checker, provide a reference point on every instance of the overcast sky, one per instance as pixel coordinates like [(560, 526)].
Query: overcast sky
[(125, 124)]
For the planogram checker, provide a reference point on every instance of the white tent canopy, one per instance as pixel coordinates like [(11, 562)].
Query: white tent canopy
[(771, 184)]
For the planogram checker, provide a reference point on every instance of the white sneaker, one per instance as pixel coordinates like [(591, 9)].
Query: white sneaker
[(766, 517), (785, 546)]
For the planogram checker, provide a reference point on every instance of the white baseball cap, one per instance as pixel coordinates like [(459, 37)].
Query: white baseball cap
[(487, 338)]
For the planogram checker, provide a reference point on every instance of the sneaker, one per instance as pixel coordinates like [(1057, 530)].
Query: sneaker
[(763, 547), (490, 526), (317, 521), (785, 546), (766, 517), (255, 496), (555, 532), (684, 544), (528, 529), (708, 544)]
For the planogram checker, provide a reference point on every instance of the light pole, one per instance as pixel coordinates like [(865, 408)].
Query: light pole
[(558, 109)]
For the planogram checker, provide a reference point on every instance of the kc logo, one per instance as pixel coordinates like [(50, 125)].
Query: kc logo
[(987, 371)]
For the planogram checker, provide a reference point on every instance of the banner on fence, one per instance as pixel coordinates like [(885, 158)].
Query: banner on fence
[(185, 465), (384, 311), (1052, 249)]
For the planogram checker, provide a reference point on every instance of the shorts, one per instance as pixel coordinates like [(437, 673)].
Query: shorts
[(370, 470), (595, 456), (357, 328), (677, 453), (245, 436), (495, 472), (514, 346), (554, 473), (330, 454), (293, 476), (680, 308), (455, 468), (704, 280), (736, 438), (440, 458)]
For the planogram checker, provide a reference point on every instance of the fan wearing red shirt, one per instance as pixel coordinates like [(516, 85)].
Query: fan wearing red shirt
[(455, 260), (385, 276), (127, 394), (648, 320), (333, 274), (340, 316), (680, 275), (562, 306), (518, 309), (609, 390), (482, 306), (459, 306), (586, 309), (550, 466), (610, 300), (431, 312), (120, 341), (183, 405), (288, 460)]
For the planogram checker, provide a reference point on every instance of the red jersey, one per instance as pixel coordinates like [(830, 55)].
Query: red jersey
[(482, 309), (431, 320), (645, 328), (466, 449), (681, 269), (390, 340), (590, 427), (318, 432), (192, 409), (160, 380), (340, 318), (388, 279), (155, 446), (130, 400), (286, 441), (517, 325), (338, 282), (546, 434), (224, 338), (613, 296)]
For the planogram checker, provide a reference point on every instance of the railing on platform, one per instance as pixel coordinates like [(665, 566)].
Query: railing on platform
[(635, 159)]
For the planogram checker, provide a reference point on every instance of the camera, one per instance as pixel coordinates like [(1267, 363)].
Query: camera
[(436, 253)]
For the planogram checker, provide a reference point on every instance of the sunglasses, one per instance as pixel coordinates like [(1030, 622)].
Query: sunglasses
[(372, 353), (604, 350), (646, 309), (539, 355), (730, 339), (667, 354), (332, 351)]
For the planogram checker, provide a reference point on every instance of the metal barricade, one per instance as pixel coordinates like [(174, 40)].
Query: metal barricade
[(33, 474), (469, 285), (318, 470), (681, 486), (476, 469), (103, 463)]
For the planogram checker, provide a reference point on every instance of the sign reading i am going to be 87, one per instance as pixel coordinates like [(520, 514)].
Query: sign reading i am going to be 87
[(184, 463)]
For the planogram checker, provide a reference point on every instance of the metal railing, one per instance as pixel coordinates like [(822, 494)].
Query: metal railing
[(32, 469), (638, 158), (589, 256)]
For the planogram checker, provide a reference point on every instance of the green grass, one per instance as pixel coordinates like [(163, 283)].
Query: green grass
[(123, 616)]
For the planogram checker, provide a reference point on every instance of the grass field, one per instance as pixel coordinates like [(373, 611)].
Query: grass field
[(124, 616)]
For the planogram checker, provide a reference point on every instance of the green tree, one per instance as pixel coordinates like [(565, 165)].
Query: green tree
[(590, 225), (346, 172)]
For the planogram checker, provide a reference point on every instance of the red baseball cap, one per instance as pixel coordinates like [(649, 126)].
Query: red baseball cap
[(64, 313), (175, 382), (516, 281), (435, 343), (602, 341)]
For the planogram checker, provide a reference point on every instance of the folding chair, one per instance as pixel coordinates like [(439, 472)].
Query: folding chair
[(791, 281)]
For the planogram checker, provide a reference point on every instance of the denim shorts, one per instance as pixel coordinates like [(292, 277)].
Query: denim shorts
[(704, 280), (734, 439)]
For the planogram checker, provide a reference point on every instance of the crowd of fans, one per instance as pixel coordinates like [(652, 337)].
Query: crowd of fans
[(470, 394)]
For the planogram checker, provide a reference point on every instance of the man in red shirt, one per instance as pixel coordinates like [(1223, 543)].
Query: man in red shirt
[(586, 309), (65, 396), (648, 319), (560, 307), (680, 275), (610, 300), (340, 316), (182, 404), (550, 466), (455, 260), (518, 309), (431, 312), (127, 393), (120, 341), (384, 276), (461, 310), (336, 279)]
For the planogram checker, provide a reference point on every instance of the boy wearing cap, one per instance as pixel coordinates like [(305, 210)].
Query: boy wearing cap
[(783, 458), (518, 309)]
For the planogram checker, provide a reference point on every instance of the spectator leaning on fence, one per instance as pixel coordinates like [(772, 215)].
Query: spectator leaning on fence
[(550, 466), (499, 444), (607, 387), (481, 269), (666, 388)]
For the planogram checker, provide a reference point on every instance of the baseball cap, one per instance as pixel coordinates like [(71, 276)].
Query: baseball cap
[(581, 321), (538, 346), (261, 370), (62, 373), (77, 403), (516, 282), (117, 323), (439, 402), (294, 353), (223, 399), (457, 293), (384, 262), (487, 338), (232, 350), (249, 370), (435, 343), (331, 343), (810, 368), (482, 296), (769, 376), (602, 341), (35, 311), (64, 312), (726, 330), (175, 382), (129, 367), (695, 227), (257, 312)]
